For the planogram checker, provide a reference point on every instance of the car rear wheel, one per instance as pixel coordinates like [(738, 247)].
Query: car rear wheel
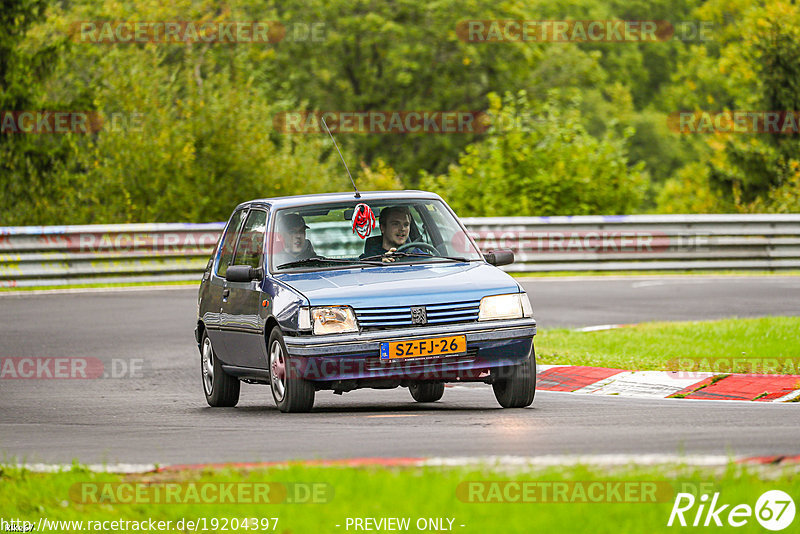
[(291, 393), (221, 389), (514, 386), (427, 391)]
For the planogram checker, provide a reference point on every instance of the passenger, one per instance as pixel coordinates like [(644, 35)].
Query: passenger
[(295, 245)]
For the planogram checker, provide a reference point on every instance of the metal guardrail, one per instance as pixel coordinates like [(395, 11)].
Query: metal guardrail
[(59, 255), (644, 242), (116, 253)]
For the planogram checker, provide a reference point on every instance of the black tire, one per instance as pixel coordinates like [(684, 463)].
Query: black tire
[(292, 394), (220, 388), (515, 386), (427, 391)]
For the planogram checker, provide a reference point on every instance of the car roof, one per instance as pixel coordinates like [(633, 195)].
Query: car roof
[(325, 198)]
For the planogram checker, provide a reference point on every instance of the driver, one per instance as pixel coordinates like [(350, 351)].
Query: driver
[(395, 225), (295, 245)]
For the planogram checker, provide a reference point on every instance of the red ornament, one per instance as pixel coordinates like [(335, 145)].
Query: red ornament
[(363, 221)]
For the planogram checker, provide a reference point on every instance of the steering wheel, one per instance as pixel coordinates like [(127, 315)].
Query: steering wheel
[(418, 244)]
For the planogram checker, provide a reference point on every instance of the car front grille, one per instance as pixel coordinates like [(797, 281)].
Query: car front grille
[(400, 316)]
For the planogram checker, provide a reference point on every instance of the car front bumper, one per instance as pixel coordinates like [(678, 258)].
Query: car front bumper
[(490, 345)]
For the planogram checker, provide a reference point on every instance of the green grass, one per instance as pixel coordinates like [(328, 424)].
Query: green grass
[(408, 492), (767, 344)]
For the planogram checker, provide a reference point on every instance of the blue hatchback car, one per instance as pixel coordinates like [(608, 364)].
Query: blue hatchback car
[(339, 292)]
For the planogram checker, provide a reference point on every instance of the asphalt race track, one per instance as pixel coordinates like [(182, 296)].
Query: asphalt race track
[(160, 415), (573, 302)]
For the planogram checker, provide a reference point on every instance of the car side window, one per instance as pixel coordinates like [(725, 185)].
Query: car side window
[(442, 229), (225, 254), (420, 225), (251, 240)]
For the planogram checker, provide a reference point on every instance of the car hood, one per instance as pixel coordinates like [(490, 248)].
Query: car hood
[(401, 285)]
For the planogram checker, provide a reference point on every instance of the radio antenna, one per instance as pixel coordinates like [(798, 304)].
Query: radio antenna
[(358, 195)]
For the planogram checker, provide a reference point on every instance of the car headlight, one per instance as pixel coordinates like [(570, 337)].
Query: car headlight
[(333, 320), (513, 306)]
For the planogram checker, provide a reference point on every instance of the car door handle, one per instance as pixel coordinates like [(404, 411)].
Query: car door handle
[(225, 293)]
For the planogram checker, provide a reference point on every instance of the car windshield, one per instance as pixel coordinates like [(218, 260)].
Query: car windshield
[(325, 236)]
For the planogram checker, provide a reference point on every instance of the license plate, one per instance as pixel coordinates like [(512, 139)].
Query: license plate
[(423, 348)]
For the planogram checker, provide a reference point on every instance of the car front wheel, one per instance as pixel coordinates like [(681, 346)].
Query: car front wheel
[(221, 389), (514, 386), (427, 391), (291, 393)]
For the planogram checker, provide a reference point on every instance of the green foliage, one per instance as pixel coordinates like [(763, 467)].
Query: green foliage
[(199, 157), (186, 137), (754, 65), (784, 198), (18, 67), (30, 166), (402, 55), (380, 178), (549, 166), (754, 165), (188, 127), (690, 191)]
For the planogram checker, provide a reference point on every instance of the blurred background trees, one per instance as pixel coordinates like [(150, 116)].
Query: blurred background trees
[(577, 128)]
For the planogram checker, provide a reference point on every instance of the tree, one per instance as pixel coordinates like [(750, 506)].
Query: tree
[(26, 162), (400, 55), (550, 166), (754, 65)]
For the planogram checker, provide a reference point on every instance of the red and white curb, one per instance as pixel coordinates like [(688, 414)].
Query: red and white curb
[(500, 462), (668, 384)]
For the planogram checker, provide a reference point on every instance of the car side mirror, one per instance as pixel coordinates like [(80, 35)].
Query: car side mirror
[(243, 273), (500, 257)]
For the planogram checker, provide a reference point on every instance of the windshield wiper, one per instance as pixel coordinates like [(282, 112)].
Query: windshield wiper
[(321, 259), (413, 255), (422, 255)]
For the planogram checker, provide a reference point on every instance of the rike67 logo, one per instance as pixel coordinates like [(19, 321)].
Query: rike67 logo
[(774, 510)]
